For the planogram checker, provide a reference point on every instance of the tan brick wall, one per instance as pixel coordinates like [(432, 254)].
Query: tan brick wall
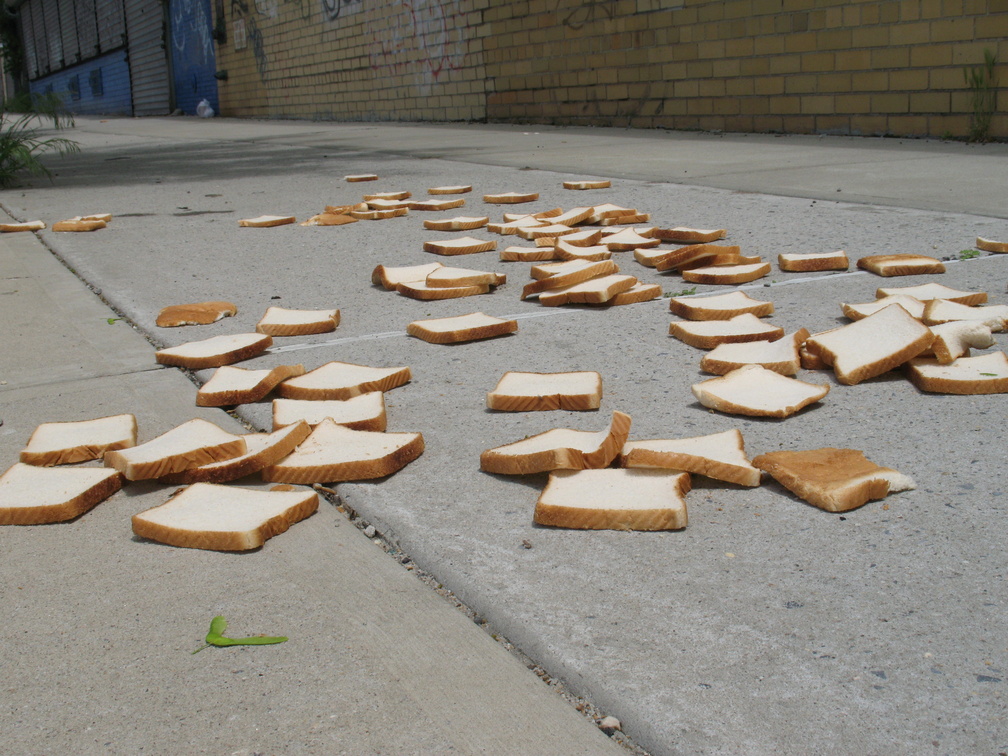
[(805, 66)]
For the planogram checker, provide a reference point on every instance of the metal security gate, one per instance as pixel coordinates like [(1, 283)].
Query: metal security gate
[(194, 60), (145, 30)]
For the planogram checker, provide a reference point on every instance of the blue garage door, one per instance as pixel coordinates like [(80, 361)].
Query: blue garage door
[(192, 54)]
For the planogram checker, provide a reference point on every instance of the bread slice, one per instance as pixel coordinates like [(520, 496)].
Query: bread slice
[(574, 216), (597, 291), (436, 205), (510, 198), (987, 245), (267, 221), (984, 374), (511, 227), (614, 499), (194, 443), (394, 195), (782, 356), (587, 184), (198, 313), (456, 189), (559, 267), (333, 453), (816, 261), (720, 456), (532, 392), (449, 277), (628, 240), (608, 210), (261, 450), (901, 265), (526, 254), (424, 291), (860, 311), (572, 273), (559, 449), (329, 219), (587, 237), (215, 351), (707, 334), (67, 443), (594, 253), (684, 235), (230, 386), (461, 223), (927, 291), (871, 346), (391, 277), (955, 338), (837, 480), (549, 230), (460, 328), (754, 391), (463, 246), (363, 412), (343, 380), (356, 177), (639, 292), (377, 202), (698, 255), (78, 225), (224, 518), (11, 228), (727, 274), (938, 311), (280, 321), (32, 495), (344, 209), (720, 306), (380, 214)]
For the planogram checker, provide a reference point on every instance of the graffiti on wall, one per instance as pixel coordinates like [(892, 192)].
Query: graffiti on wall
[(575, 14), (334, 9), (252, 35), (192, 31)]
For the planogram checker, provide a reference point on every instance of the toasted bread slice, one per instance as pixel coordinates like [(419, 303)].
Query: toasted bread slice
[(456, 189), (460, 328), (33, 495), (757, 392), (198, 313), (333, 453), (215, 351), (280, 321), (720, 306), (197, 442), (559, 449), (464, 246), (424, 291), (267, 221), (860, 311), (67, 443), (727, 274), (707, 334), (684, 235), (527, 254), (955, 338), (12, 228), (987, 245), (782, 356), (720, 456), (532, 392), (927, 291), (984, 374), (363, 412), (343, 380), (436, 205), (572, 273), (588, 184), (597, 291), (224, 518), (938, 311), (460, 223), (816, 261), (901, 265), (614, 500), (391, 277), (510, 198), (229, 386), (837, 480)]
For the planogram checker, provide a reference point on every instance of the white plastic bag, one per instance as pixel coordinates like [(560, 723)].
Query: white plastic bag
[(203, 110)]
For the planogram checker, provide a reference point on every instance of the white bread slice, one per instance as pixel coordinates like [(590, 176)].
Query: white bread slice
[(938, 311), (954, 339), (77, 225), (454, 330), (70, 442), (395, 195), (836, 480), (461, 223), (559, 449), (573, 217), (720, 306), (534, 233), (628, 240), (816, 261), (782, 356), (698, 255), (333, 453), (356, 177), (510, 198), (511, 227), (455, 189), (614, 499), (107, 217), (229, 386), (194, 443), (627, 220), (261, 450), (860, 311), (650, 258), (532, 392), (279, 321), (12, 228), (587, 184), (871, 346), (539, 272), (987, 245), (224, 518), (436, 205), (363, 412), (465, 245), (215, 351), (424, 291), (526, 254), (757, 392), (639, 292), (726, 274), (344, 209), (707, 334), (266, 221), (379, 214), (573, 272), (32, 495), (329, 219), (391, 277), (593, 253), (927, 291), (383, 205), (586, 237), (449, 277), (720, 456), (198, 313), (343, 380), (984, 374), (597, 291), (901, 265), (686, 235), (608, 210)]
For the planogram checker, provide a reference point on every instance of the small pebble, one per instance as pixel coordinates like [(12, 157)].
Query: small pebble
[(369, 531), (609, 725), (527, 544)]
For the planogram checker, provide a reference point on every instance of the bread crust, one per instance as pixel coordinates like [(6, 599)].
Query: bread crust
[(734, 393), (523, 254), (726, 274), (719, 306), (989, 245), (707, 334), (79, 225), (508, 397), (325, 321), (103, 483), (267, 221), (686, 454), (900, 265), (424, 292), (690, 235), (197, 442), (797, 263), (510, 198), (587, 184), (198, 313), (487, 330), (984, 374)]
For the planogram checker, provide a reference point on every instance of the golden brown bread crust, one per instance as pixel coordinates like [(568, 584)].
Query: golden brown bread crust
[(420, 290), (488, 331), (560, 280), (690, 235), (798, 264), (198, 313), (453, 247), (758, 332), (726, 274), (395, 379), (68, 510), (81, 453), (694, 254), (226, 357), (989, 245), (582, 185), (322, 325), (510, 198), (900, 265), (78, 225), (698, 309), (985, 374)]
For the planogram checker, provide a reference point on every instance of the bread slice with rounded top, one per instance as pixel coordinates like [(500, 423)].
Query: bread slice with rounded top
[(757, 392), (955, 338), (391, 277), (597, 291), (436, 205), (230, 386), (363, 412), (812, 262), (983, 374), (990, 245), (938, 311), (424, 291), (614, 499), (33, 495), (782, 356), (463, 246), (191, 444), (224, 518), (927, 291), (532, 392), (343, 380), (837, 480), (280, 321), (720, 456), (726, 274), (66, 443), (198, 313), (267, 221), (215, 351), (719, 306), (454, 330), (901, 265), (333, 454), (559, 449), (707, 334), (860, 311), (592, 253)]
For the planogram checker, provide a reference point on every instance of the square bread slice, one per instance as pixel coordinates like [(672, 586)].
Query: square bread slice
[(707, 334), (333, 454), (423, 291), (67, 443), (364, 412), (198, 313), (938, 311), (465, 245), (719, 306), (837, 480), (532, 392), (782, 356), (628, 240), (391, 277), (229, 386), (983, 374), (343, 380), (597, 291), (614, 499), (32, 495), (215, 351), (194, 443), (901, 265), (726, 274), (720, 456), (927, 291), (267, 221), (815, 261), (224, 518), (280, 321), (461, 328), (559, 449), (757, 392)]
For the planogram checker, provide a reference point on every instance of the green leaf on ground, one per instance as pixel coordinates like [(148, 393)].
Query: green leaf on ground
[(216, 637)]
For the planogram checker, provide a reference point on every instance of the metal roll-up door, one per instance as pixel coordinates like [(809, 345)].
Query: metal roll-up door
[(145, 31)]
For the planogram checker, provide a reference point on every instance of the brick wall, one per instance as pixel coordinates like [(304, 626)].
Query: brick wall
[(800, 66)]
